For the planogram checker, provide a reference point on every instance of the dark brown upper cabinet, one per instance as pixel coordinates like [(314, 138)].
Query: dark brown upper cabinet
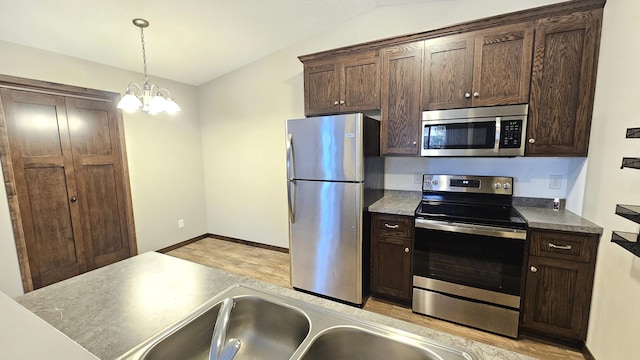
[(480, 68), (400, 105), (349, 83), (563, 84), (545, 56)]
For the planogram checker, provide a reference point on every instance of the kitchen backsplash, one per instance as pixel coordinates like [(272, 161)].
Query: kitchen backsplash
[(533, 177)]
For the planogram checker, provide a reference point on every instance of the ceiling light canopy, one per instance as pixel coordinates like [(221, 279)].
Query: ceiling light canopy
[(148, 97)]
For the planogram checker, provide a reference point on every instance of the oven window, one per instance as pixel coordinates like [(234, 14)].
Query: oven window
[(477, 135), (474, 260)]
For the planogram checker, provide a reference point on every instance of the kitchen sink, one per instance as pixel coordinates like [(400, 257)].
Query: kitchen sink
[(272, 326), (357, 343), (266, 331)]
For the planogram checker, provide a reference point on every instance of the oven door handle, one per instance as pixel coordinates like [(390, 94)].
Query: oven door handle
[(518, 234)]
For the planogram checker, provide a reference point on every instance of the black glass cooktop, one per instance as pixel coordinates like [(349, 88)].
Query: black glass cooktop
[(482, 210)]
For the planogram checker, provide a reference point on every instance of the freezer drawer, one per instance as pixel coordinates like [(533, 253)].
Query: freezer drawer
[(326, 239)]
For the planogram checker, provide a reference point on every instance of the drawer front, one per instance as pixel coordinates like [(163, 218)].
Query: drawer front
[(564, 245), (393, 225)]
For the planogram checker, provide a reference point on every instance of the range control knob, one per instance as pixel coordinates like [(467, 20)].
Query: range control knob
[(435, 182), (427, 182), (497, 186), (506, 186)]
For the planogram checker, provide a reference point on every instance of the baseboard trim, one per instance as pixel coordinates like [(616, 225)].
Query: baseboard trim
[(183, 243), (225, 238), (250, 243), (587, 354)]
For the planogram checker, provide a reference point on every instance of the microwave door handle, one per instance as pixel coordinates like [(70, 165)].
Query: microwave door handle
[(496, 144), (290, 178)]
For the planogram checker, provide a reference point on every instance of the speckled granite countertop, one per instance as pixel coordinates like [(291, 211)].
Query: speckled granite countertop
[(112, 309), (563, 220), (398, 202)]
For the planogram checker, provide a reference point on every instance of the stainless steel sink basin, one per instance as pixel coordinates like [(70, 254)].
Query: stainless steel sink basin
[(271, 326), (356, 343), (266, 330)]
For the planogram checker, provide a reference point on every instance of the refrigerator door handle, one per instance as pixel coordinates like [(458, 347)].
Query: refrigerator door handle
[(290, 178)]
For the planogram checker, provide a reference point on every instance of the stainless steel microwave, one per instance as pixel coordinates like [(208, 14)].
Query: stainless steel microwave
[(483, 131)]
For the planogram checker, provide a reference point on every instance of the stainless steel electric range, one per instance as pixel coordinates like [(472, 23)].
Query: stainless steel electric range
[(469, 252)]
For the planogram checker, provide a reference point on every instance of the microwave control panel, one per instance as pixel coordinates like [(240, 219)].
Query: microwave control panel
[(510, 134)]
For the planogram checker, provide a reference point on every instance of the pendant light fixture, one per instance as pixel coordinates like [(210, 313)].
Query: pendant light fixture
[(148, 97)]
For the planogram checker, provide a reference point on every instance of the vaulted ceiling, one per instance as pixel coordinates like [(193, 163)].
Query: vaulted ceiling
[(191, 41)]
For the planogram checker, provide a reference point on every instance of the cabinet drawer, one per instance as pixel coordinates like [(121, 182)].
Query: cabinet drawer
[(564, 245), (393, 225)]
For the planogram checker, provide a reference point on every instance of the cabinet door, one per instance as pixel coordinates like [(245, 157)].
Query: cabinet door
[(400, 103), (45, 185), (321, 88), (557, 297), (563, 84), (360, 84), (391, 267), (447, 73), (502, 65), (100, 187)]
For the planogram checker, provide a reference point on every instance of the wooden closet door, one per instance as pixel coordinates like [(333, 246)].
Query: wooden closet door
[(98, 171), (45, 185)]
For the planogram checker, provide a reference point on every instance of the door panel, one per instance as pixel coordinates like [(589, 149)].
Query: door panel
[(360, 84), (326, 239), (45, 181), (322, 88), (502, 70), (400, 99), (327, 147), (92, 128), (38, 129), (447, 77), (53, 233)]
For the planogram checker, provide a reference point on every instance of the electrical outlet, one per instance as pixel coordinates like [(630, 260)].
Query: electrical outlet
[(180, 223), (417, 178), (555, 182)]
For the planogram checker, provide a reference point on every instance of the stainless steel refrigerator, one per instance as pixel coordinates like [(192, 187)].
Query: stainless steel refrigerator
[(334, 172)]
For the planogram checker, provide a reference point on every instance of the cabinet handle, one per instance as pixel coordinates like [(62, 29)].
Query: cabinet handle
[(534, 269), (476, 94), (406, 250), (341, 102), (73, 199), (560, 247), (467, 95), (336, 102), (391, 226), (531, 141), (415, 143)]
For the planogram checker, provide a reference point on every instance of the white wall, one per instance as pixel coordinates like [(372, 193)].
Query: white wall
[(243, 115), (164, 153), (615, 317), (531, 175)]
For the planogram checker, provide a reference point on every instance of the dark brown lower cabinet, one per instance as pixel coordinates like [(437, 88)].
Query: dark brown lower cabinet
[(559, 283), (66, 184), (391, 254)]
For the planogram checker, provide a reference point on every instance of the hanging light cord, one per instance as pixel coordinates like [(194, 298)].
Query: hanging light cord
[(144, 55)]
